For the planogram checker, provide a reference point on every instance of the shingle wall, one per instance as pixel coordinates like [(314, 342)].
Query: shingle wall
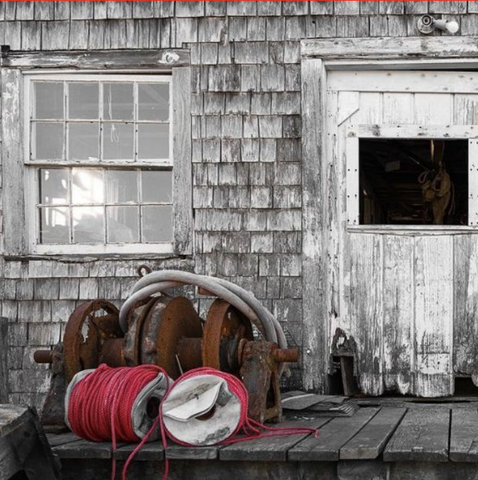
[(246, 128)]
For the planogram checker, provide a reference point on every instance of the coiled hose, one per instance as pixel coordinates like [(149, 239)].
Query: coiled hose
[(244, 301)]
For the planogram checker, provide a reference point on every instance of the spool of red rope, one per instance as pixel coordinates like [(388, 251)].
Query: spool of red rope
[(250, 428), (100, 404)]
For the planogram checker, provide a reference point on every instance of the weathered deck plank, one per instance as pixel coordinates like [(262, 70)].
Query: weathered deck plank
[(270, 448), (55, 439), (421, 436), (84, 449), (369, 443), (464, 435), (332, 437), (149, 452)]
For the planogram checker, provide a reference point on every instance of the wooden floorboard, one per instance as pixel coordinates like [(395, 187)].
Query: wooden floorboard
[(179, 452), (271, 448), (332, 437), (464, 435), (55, 439), (369, 442), (84, 449), (423, 435), (149, 452)]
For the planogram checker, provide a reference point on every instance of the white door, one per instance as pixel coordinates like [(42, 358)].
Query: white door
[(408, 295)]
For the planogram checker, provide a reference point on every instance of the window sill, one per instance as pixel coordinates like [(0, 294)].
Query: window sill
[(414, 230), (89, 258)]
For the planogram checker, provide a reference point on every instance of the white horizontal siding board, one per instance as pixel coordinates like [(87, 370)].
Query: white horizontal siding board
[(388, 48), (413, 131), (433, 109), (473, 182), (434, 308), (403, 81), (352, 175)]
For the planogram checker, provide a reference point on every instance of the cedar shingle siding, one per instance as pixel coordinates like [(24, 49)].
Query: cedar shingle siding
[(246, 128)]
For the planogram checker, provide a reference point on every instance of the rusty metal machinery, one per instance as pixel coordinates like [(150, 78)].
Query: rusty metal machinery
[(167, 331)]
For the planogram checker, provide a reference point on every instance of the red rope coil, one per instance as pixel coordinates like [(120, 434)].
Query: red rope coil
[(100, 408)]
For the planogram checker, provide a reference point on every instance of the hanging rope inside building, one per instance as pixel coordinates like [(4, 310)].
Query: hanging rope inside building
[(437, 188), (116, 404)]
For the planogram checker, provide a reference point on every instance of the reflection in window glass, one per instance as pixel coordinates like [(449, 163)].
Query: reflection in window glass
[(118, 101), (157, 186), (47, 141), (118, 141), (88, 225), (83, 141), (83, 101), (157, 224), (153, 141), (122, 224), (48, 104), (87, 186), (153, 102), (54, 225), (54, 186), (121, 186)]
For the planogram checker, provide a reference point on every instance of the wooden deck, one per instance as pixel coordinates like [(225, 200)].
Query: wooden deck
[(407, 441)]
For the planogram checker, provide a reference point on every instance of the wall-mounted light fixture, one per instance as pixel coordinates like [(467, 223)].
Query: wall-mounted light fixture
[(427, 24)]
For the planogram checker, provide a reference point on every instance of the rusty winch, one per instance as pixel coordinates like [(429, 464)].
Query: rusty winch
[(167, 331)]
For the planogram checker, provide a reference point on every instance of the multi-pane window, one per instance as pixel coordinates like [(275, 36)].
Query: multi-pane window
[(99, 159)]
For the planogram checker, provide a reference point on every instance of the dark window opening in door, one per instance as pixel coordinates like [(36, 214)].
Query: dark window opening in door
[(413, 182)]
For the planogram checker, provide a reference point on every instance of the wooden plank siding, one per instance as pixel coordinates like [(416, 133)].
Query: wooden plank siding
[(269, 194)]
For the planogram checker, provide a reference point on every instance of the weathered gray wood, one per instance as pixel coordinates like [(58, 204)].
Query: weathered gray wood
[(57, 439), (465, 327), (12, 156), (422, 436), (182, 167), (23, 445), (387, 48), (464, 435), (271, 449), (179, 452), (151, 452), (333, 436), (151, 59), (369, 443), (315, 348), (361, 469), (84, 449), (4, 348)]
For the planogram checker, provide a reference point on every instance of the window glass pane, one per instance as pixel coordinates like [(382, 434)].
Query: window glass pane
[(54, 186), (47, 141), (54, 225), (48, 103), (118, 141), (153, 141), (83, 141), (118, 102), (83, 101), (121, 186), (87, 186), (122, 224), (157, 186), (157, 224), (88, 225), (153, 102)]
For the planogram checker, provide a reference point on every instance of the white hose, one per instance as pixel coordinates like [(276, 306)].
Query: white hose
[(244, 301)]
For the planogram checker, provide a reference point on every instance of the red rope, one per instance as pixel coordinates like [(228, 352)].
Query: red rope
[(101, 405), (100, 408)]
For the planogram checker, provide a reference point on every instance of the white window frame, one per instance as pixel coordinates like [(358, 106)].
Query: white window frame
[(33, 166), (411, 132)]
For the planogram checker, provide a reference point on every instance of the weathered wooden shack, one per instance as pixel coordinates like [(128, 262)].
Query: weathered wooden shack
[(275, 144)]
